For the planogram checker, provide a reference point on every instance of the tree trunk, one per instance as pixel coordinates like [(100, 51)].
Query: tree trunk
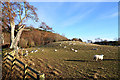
[(12, 24), (17, 38), (2, 38)]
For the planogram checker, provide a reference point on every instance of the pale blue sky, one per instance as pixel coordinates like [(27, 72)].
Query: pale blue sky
[(85, 20)]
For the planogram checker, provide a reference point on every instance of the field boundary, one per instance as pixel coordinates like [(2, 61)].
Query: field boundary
[(12, 63)]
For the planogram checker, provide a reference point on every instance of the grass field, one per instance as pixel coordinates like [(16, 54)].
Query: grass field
[(65, 63)]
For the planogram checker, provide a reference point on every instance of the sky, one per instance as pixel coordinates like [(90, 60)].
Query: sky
[(85, 20)]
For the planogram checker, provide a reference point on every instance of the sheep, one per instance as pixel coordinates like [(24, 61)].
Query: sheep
[(60, 44), (94, 49), (55, 50), (74, 43), (76, 51), (64, 46), (96, 57), (35, 50), (25, 54), (32, 51), (72, 49), (42, 49), (26, 51), (70, 43)]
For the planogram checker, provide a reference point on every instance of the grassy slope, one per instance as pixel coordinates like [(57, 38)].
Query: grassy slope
[(67, 64)]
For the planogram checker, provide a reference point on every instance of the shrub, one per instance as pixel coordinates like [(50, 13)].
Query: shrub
[(31, 43), (23, 43)]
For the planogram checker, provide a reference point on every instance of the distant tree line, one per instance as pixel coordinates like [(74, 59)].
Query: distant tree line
[(75, 39), (105, 42), (112, 43)]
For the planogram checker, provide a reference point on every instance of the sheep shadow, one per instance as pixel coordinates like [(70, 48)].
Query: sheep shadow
[(93, 60), (111, 59), (80, 60)]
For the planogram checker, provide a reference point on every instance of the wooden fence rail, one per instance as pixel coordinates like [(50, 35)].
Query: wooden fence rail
[(12, 61)]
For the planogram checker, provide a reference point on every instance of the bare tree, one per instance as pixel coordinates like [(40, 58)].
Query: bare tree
[(14, 14), (98, 40), (89, 41), (45, 27)]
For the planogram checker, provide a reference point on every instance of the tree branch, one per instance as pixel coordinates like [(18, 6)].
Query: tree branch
[(20, 12), (24, 16)]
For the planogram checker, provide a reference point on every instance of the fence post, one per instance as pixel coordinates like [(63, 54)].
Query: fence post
[(38, 77), (13, 62), (42, 77), (25, 71)]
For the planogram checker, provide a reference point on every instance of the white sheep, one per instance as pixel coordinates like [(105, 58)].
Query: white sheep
[(25, 54), (70, 43), (64, 46), (55, 50), (26, 51), (95, 49), (72, 49), (42, 49), (32, 51), (74, 43), (96, 57), (76, 51), (35, 50), (60, 44)]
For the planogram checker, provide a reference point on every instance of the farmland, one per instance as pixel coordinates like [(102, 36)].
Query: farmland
[(66, 64)]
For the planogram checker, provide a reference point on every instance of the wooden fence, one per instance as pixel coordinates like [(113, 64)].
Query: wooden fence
[(10, 62)]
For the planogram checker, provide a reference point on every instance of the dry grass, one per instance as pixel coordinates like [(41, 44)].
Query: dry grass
[(67, 64)]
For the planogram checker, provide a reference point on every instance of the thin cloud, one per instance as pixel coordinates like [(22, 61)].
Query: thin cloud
[(75, 19), (115, 14)]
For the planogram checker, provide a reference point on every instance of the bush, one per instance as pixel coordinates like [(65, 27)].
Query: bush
[(31, 43), (23, 43)]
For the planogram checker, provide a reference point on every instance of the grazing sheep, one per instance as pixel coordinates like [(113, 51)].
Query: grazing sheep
[(26, 51), (55, 50), (35, 50), (64, 46), (25, 54), (32, 51), (60, 44), (76, 51), (42, 49), (96, 57), (72, 49), (94, 49), (74, 43), (70, 43), (80, 42)]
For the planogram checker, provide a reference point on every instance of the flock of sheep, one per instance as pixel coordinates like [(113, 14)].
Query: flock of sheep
[(96, 57), (33, 51)]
